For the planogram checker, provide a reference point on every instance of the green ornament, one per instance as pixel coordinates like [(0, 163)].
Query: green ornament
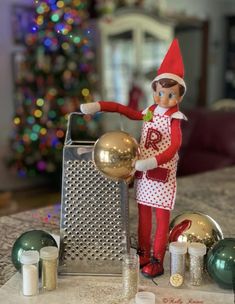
[(220, 263), (30, 240)]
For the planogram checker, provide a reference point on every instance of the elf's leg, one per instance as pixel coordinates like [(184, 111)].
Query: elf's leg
[(155, 267), (144, 233)]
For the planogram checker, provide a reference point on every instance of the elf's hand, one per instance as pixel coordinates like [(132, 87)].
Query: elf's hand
[(146, 164), (90, 107)]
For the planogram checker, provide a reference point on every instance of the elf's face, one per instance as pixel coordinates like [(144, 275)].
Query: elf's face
[(167, 97)]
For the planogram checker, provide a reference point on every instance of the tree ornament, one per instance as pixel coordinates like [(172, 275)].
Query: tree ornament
[(195, 227), (30, 240), (114, 155), (220, 263)]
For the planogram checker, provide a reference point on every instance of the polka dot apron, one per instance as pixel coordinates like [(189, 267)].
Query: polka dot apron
[(157, 187)]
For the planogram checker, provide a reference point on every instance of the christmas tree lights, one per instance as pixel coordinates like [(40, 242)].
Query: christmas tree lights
[(56, 75)]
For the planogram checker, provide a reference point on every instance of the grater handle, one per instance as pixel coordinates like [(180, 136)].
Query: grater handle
[(68, 139)]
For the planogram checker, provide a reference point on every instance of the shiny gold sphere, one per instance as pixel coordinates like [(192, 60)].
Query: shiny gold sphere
[(202, 228), (115, 154)]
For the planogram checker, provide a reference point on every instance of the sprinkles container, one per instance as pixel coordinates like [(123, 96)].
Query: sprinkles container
[(196, 262), (178, 252)]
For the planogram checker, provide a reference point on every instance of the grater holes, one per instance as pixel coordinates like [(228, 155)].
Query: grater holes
[(98, 203)]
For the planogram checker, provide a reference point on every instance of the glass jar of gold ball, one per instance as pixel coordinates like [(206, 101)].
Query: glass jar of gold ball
[(130, 275), (196, 262)]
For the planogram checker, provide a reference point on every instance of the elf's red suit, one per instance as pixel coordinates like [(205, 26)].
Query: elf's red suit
[(155, 180)]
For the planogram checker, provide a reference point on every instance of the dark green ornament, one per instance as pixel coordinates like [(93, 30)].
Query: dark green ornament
[(220, 263), (30, 240)]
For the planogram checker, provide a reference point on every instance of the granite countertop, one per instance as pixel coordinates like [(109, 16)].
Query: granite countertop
[(212, 193)]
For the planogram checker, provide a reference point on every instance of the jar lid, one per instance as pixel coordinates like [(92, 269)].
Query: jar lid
[(49, 253), (178, 247), (197, 249), (145, 297), (29, 257)]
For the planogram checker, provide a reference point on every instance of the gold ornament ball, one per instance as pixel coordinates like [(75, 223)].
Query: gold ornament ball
[(203, 229), (114, 155)]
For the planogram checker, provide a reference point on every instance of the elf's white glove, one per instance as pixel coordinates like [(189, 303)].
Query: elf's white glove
[(90, 107), (146, 164)]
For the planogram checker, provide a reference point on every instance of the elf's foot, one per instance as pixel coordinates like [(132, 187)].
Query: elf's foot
[(153, 269), (144, 257)]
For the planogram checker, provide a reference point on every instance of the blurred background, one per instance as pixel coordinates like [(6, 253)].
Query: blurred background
[(55, 55)]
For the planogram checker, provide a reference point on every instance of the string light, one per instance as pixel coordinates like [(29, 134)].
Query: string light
[(55, 17), (85, 92), (30, 120), (60, 133), (43, 131), (65, 46), (76, 39), (36, 128), (38, 113), (17, 120), (40, 102), (33, 136), (60, 4)]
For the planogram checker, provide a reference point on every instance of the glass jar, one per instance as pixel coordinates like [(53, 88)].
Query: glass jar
[(196, 262), (29, 270), (49, 259), (178, 252), (130, 275)]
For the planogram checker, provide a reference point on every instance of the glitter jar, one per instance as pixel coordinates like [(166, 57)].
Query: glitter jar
[(130, 275), (29, 270), (178, 252), (49, 259), (196, 262)]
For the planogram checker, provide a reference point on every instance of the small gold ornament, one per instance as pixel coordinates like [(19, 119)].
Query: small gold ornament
[(115, 154), (176, 280)]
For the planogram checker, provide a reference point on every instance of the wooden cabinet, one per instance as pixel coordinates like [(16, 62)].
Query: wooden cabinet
[(132, 46)]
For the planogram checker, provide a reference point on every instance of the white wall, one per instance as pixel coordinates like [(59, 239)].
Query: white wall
[(7, 47)]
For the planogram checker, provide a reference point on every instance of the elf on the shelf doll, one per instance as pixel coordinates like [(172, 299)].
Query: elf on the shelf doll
[(155, 177)]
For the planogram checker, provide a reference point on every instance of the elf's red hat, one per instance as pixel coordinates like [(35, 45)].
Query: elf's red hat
[(172, 66)]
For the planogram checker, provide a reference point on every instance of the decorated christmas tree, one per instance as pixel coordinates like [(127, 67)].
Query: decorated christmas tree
[(55, 75)]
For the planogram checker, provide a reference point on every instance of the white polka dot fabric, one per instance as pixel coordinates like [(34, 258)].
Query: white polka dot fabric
[(155, 139)]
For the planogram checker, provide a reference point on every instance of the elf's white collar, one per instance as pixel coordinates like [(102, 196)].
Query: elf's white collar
[(157, 110), (160, 110)]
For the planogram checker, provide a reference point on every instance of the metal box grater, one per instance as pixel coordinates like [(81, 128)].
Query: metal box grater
[(94, 230)]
